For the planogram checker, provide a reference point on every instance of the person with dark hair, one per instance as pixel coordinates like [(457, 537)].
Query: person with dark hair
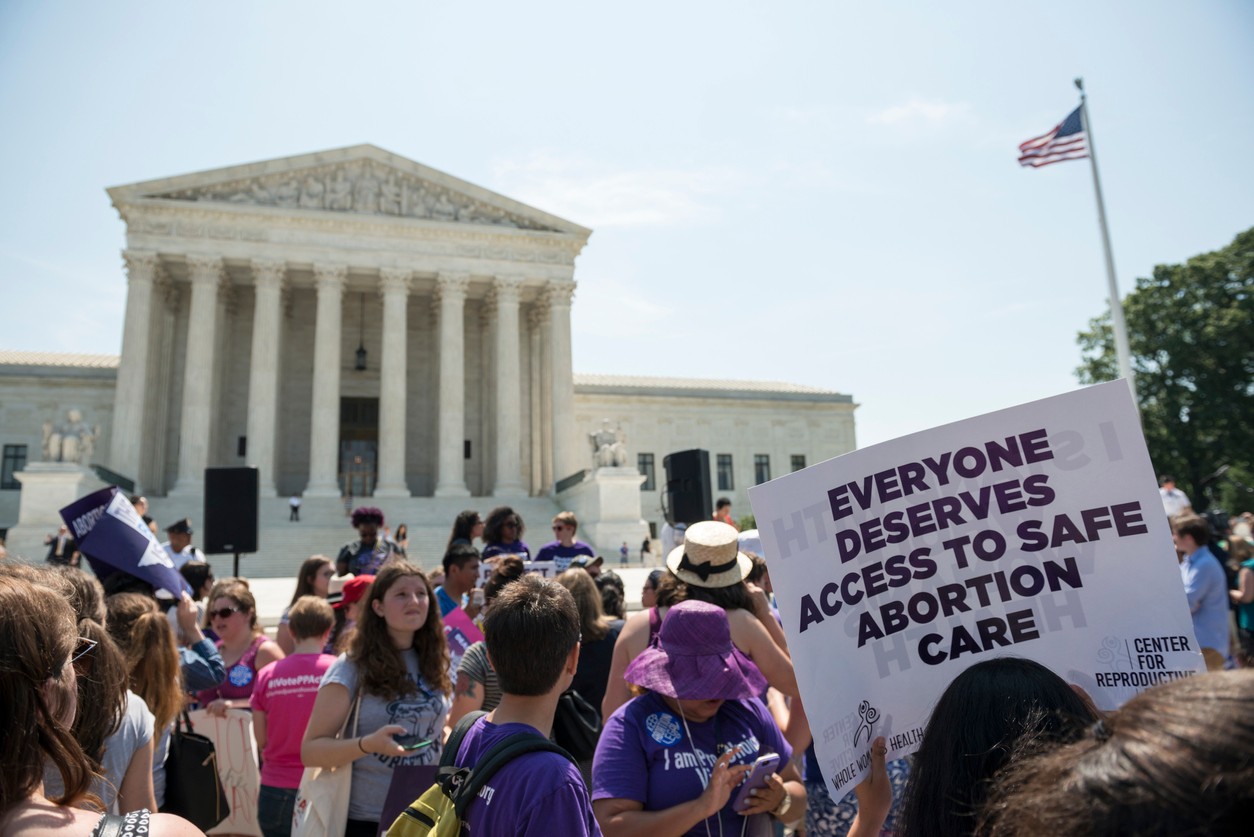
[(722, 512), (292, 684), (977, 724), (396, 673), (466, 527), (370, 551), (532, 636), (1176, 759), (199, 575), (461, 574), (613, 593), (1205, 583), (502, 534), (244, 647), (313, 579), (561, 550), (401, 537), (476, 686), (178, 544), (1175, 501), (648, 594), (1241, 557), (663, 766), (39, 647), (708, 567)]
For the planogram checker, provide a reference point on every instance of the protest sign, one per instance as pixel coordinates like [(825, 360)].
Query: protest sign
[(114, 537), (238, 769), (1035, 532), (460, 632)]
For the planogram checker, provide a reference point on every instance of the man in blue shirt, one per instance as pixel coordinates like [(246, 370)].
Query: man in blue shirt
[(1205, 583), (461, 573), (562, 550)]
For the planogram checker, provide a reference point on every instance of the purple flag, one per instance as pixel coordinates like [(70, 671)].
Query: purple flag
[(114, 537)]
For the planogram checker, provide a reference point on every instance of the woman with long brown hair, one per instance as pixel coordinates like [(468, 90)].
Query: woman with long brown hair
[(396, 675), (39, 645), (152, 661), (314, 579)]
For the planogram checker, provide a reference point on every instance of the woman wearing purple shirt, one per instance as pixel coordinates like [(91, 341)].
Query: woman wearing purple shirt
[(668, 762), (502, 534)]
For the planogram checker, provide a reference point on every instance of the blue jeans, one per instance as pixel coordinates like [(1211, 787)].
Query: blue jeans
[(274, 810)]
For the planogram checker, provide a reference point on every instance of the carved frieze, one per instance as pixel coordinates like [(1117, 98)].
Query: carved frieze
[(364, 187)]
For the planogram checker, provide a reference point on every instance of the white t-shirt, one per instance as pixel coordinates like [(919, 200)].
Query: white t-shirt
[(1174, 501)]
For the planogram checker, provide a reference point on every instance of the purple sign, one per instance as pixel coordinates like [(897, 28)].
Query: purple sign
[(114, 537)]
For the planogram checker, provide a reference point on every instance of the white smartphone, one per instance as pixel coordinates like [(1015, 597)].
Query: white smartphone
[(762, 770)]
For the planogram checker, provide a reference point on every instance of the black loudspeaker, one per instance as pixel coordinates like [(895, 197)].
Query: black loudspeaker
[(688, 487), (230, 510)]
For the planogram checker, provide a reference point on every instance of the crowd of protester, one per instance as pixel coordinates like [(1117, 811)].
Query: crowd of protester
[(686, 694)]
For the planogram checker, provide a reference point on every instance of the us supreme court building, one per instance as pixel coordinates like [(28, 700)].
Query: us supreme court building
[(353, 323)]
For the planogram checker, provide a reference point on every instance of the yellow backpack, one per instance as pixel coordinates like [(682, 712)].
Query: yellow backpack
[(441, 809)]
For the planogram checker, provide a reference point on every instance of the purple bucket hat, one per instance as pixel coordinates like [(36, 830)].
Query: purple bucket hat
[(695, 659)]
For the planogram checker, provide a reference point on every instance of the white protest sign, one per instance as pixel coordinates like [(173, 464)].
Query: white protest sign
[(238, 769), (1035, 532)]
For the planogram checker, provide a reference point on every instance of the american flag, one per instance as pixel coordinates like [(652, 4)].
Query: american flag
[(1067, 141)]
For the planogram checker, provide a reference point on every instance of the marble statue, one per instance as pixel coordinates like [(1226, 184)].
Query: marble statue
[(69, 441), (609, 446)]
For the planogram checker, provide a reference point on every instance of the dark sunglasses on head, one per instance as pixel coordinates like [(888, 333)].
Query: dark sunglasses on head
[(224, 613), (84, 647)]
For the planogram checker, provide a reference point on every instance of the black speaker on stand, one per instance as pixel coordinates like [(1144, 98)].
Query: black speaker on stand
[(687, 493), (231, 496)]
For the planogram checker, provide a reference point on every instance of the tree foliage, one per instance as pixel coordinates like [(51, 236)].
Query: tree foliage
[(1191, 336)]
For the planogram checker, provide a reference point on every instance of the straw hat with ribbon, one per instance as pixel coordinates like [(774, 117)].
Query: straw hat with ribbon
[(710, 556)]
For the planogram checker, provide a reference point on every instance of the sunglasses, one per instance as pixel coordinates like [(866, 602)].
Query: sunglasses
[(510, 524), (224, 613), (558, 528), (85, 647)]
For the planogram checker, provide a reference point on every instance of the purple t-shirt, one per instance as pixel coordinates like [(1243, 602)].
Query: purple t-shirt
[(536, 793), (645, 755), (516, 548), (561, 555)]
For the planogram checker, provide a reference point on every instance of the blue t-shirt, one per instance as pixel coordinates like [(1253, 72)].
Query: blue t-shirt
[(447, 603), (535, 794), (561, 555)]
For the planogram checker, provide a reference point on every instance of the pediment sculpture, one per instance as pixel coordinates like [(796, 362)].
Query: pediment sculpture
[(364, 187)]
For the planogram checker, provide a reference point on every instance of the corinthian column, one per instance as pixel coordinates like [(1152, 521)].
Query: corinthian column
[(565, 451), (206, 274), (263, 375), (451, 467), (131, 395), (393, 381), (324, 425), (508, 389)]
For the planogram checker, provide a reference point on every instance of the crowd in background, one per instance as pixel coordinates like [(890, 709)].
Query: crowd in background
[(685, 696)]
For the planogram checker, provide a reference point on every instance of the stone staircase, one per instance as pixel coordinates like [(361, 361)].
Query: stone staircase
[(324, 527)]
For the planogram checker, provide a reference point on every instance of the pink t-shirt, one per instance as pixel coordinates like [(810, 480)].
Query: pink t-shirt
[(291, 684)]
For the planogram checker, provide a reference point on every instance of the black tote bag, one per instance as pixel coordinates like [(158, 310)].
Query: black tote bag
[(193, 789)]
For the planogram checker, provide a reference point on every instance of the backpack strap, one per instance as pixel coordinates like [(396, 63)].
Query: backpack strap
[(110, 825), (449, 757), (505, 751)]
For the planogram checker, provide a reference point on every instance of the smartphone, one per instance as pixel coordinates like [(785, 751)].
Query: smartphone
[(762, 769), (412, 742), (476, 596)]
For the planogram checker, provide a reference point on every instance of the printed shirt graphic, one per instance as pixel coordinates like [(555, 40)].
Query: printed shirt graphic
[(644, 755), (561, 555), (422, 713), (288, 687)]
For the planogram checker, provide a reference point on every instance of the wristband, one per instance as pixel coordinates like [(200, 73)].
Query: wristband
[(361, 746), (782, 808)]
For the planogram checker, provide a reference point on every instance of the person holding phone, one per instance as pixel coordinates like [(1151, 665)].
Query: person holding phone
[(397, 666), (669, 762)]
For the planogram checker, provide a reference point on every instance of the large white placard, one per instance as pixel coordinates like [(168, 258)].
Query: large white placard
[(1035, 531)]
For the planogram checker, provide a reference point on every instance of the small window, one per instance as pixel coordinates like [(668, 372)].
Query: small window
[(725, 480), (14, 461), (644, 463), (798, 461), (761, 468)]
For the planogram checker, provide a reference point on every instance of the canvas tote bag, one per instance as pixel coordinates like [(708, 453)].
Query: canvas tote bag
[(322, 800)]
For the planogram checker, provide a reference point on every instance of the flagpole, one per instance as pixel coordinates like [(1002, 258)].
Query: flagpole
[(1116, 307)]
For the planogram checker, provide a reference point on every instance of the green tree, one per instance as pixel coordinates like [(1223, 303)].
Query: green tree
[(1191, 334)]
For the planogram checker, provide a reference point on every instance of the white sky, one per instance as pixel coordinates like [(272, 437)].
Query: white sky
[(824, 193)]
